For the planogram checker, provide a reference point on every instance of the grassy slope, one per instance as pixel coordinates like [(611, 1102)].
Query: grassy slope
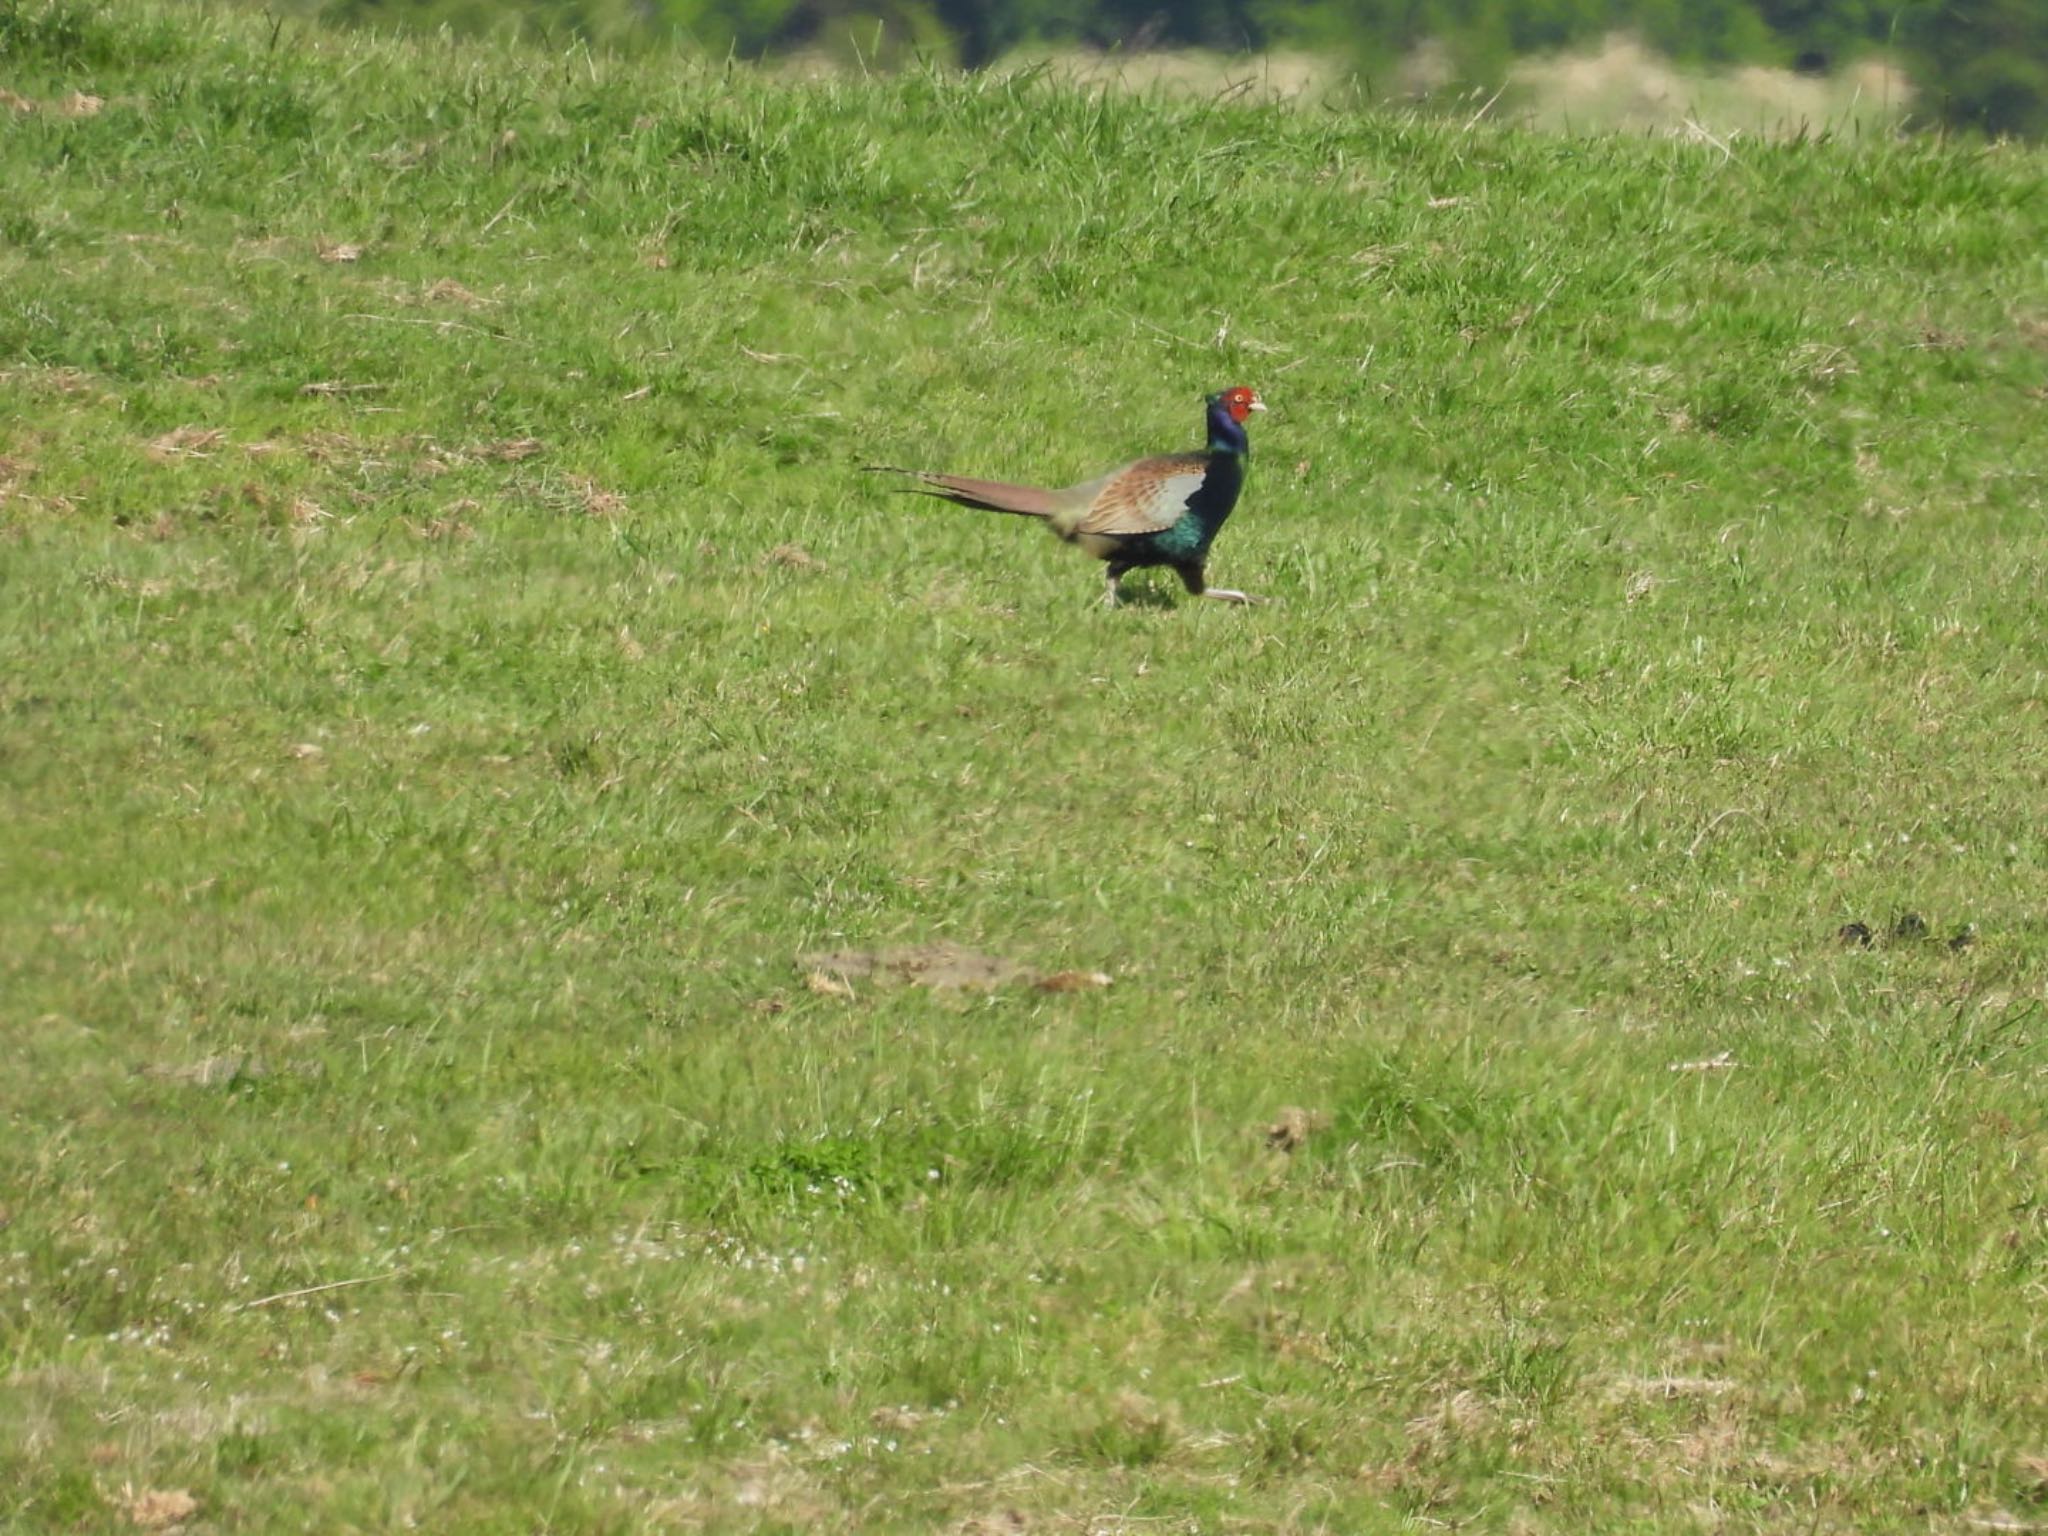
[(1657, 540)]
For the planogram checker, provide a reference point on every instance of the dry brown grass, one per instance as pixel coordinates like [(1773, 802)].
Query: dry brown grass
[(1624, 86)]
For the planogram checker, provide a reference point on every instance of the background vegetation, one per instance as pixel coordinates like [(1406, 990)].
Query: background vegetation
[(471, 739), (1979, 64)]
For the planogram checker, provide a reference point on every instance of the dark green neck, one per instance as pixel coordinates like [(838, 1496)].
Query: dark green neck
[(1226, 434)]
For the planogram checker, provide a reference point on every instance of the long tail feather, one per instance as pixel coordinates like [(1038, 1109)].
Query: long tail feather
[(988, 495)]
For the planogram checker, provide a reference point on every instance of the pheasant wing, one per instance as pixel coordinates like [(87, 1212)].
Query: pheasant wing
[(1146, 497)]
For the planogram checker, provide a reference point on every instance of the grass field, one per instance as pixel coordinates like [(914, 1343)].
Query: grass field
[(454, 683)]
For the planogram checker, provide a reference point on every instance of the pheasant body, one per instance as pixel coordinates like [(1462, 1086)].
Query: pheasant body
[(1160, 511)]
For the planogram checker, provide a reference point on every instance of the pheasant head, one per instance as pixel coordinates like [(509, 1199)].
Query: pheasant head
[(1229, 410)]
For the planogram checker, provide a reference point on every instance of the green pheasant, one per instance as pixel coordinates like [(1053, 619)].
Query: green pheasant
[(1164, 510)]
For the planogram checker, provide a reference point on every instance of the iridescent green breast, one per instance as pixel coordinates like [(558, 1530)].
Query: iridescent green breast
[(1187, 541)]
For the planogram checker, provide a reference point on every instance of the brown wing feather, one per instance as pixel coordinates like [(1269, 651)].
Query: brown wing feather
[(1144, 497)]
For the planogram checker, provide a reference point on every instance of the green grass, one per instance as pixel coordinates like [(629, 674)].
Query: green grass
[(410, 833)]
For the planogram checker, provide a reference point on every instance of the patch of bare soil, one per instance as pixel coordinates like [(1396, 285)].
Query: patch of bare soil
[(210, 1071), (224, 1070), (1669, 1388), (943, 966), (158, 1509), (186, 443), (77, 104), (513, 450), (926, 965), (448, 291)]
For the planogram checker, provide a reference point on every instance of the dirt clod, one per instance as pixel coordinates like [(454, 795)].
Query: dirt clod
[(2031, 1474), (1007, 1523), (448, 291), (795, 557), (1908, 928), (597, 501), (1073, 981), (1293, 1126)]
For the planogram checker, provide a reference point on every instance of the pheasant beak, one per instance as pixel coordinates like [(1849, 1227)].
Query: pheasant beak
[(1256, 404)]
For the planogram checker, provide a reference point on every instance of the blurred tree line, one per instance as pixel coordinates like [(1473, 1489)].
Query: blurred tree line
[(1978, 63)]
